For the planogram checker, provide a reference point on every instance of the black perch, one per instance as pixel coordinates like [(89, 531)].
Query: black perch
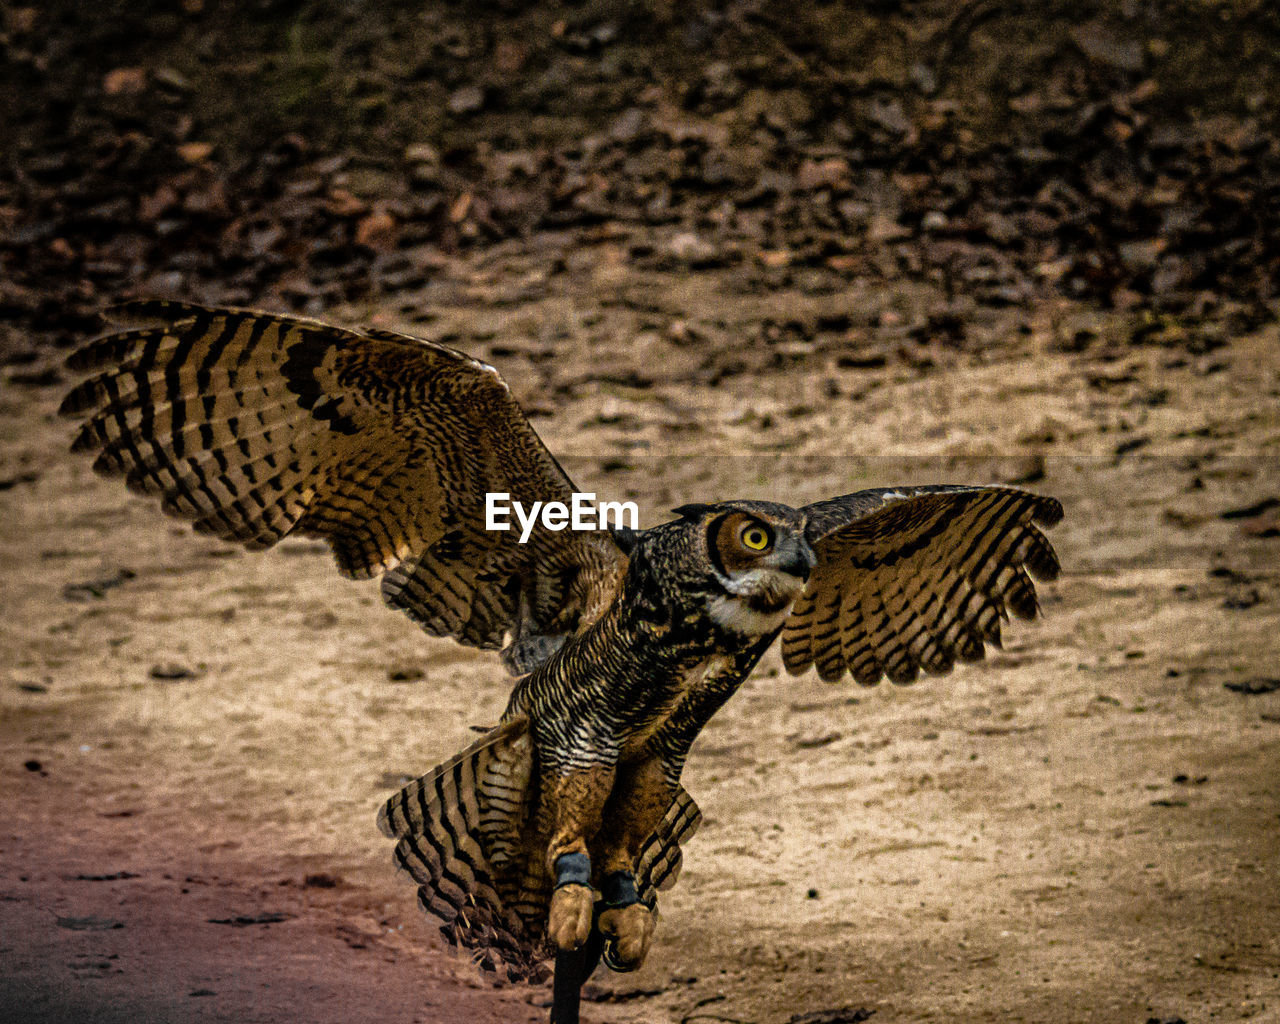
[(573, 968)]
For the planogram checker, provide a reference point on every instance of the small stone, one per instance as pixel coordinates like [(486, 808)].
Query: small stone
[(883, 228), (1253, 687), (171, 670), (89, 924), (173, 79), (195, 152), (124, 81), (94, 589), (466, 100), (1141, 255), (422, 153), (688, 247), (889, 115), (377, 230), (830, 173), (247, 920)]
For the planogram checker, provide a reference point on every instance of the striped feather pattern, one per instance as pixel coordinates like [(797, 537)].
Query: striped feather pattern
[(658, 865), (463, 835), (913, 579), (472, 837), (253, 426)]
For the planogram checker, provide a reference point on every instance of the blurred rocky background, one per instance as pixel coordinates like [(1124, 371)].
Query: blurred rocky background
[(300, 156)]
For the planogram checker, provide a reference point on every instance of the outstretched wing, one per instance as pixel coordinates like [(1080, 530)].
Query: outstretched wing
[(255, 426), (916, 577)]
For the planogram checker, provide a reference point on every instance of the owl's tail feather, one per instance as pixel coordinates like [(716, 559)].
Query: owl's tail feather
[(658, 865), (467, 832), (461, 832)]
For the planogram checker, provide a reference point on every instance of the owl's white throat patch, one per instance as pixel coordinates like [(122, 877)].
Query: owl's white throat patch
[(757, 602), (736, 615)]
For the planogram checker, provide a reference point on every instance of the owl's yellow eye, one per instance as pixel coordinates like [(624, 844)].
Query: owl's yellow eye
[(754, 537)]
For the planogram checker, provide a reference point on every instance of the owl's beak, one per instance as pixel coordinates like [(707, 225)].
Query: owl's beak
[(796, 557)]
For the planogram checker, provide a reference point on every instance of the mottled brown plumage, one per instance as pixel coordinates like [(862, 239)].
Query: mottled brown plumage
[(255, 426)]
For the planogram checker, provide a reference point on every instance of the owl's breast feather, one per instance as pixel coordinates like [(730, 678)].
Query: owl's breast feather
[(606, 692), (679, 688)]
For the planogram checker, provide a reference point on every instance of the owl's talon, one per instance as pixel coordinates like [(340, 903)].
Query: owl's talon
[(569, 922), (627, 932)]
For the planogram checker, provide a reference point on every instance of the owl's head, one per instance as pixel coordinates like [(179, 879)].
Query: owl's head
[(752, 556)]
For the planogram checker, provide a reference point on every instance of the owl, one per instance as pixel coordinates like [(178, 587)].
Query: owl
[(568, 817)]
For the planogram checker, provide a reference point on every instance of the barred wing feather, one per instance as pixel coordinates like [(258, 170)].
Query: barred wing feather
[(254, 426), (916, 578)]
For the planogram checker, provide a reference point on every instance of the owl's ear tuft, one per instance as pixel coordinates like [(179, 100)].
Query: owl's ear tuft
[(625, 538), (694, 511)]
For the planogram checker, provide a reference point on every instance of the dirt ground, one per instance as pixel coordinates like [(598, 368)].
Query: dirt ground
[(717, 252), (195, 739)]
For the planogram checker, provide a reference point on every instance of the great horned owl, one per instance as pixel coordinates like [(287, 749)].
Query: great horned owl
[(255, 426)]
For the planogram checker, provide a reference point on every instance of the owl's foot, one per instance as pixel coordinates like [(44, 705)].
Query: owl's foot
[(569, 923), (572, 902), (627, 932)]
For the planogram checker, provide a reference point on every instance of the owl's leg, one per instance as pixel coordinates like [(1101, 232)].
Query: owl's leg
[(579, 799), (641, 797)]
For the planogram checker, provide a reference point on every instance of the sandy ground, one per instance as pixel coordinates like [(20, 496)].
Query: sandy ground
[(1087, 827)]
